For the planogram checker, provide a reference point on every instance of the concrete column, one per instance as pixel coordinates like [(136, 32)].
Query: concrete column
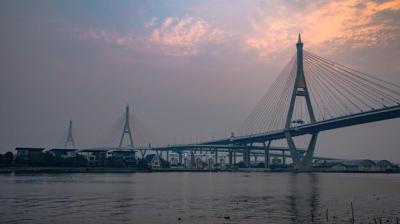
[(247, 155), (192, 160), (266, 158), (216, 155), (167, 156), (244, 157), (283, 158), (230, 157), (180, 157)]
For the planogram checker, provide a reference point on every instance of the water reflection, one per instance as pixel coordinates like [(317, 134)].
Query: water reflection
[(304, 197), (196, 197)]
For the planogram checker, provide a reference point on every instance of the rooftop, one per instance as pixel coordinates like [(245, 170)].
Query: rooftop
[(29, 149), (62, 150)]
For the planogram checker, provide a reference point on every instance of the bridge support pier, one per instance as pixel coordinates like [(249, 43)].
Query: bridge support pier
[(230, 157), (216, 156), (246, 156), (307, 160), (192, 160), (266, 154), (180, 157), (283, 158), (126, 130), (293, 151), (300, 89), (249, 155)]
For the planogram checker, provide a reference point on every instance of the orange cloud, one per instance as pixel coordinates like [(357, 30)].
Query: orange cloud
[(326, 27), (185, 36)]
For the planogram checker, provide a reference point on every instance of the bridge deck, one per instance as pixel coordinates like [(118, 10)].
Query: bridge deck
[(345, 121)]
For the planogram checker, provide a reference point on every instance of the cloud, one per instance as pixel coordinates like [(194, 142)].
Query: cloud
[(151, 22), (125, 41), (270, 28), (185, 36), (326, 27), (173, 36)]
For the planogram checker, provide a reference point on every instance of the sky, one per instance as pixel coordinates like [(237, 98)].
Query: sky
[(191, 70)]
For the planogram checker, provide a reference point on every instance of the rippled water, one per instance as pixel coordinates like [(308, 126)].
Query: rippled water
[(197, 197)]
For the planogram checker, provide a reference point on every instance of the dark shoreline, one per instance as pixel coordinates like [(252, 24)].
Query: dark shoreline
[(27, 170)]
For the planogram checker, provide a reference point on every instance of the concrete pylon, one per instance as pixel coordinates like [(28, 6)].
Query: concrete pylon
[(300, 90), (70, 138), (126, 130)]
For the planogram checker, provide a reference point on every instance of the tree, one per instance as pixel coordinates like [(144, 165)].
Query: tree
[(8, 159), (260, 165), (77, 161), (164, 163), (142, 164), (241, 164)]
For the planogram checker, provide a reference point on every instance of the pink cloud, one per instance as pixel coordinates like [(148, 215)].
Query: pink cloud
[(151, 22), (173, 36), (326, 27), (185, 36), (106, 37)]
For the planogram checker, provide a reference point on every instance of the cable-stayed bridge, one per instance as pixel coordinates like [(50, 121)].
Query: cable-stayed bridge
[(312, 94)]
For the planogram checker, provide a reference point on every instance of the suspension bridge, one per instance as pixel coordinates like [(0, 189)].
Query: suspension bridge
[(312, 94)]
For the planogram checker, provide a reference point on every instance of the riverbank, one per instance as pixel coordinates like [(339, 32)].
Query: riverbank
[(95, 170), (177, 197), (139, 170), (70, 170)]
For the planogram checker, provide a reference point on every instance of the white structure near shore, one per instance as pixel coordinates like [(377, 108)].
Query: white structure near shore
[(365, 165)]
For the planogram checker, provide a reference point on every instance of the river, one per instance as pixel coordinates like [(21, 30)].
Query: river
[(198, 198)]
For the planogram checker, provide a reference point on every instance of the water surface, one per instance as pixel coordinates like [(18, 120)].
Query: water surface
[(198, 198)]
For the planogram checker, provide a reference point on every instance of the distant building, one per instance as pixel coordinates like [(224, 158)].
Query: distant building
[(28, 153), (384, 165), (365, 165), (153, 160), (125, 156), (95, 157), (276, 161), (173, 158), (332, 166), (63, 153)]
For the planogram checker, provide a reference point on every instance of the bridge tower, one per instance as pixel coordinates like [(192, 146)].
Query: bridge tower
[(69, 139), (300, 90), (127, 129)]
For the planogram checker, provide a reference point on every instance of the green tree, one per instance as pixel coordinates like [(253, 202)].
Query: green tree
[(165, 163), (77, 161), (142, 164), (8, 159), (1, 160)]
